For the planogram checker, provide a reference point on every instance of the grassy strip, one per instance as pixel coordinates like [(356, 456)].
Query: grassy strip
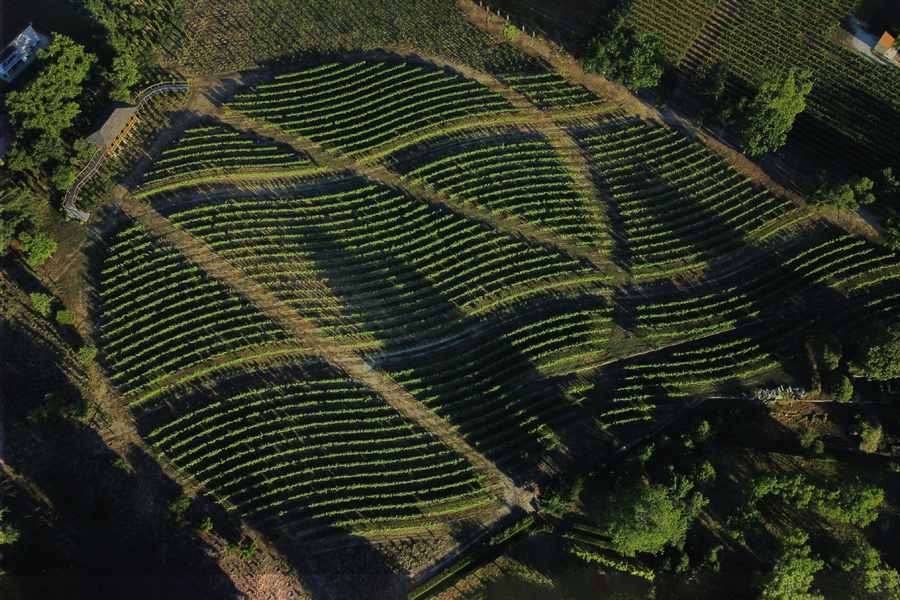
[(206, 371), (306, 171)]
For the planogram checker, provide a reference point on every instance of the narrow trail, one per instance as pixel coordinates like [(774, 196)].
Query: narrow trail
[(305, 331), (509, 224)]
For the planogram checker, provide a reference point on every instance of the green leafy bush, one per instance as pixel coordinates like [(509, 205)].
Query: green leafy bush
[(38, 248), (65, 317), (41, 303), (87, 354)]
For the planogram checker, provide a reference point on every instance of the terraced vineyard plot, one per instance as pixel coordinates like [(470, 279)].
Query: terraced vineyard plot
[(503, 387), (158, 314), (303, 450), (512, 172), (356, 107), (550, 91), (634, 392), (676, 203), (369, 263), (217, 148), (822, 272)]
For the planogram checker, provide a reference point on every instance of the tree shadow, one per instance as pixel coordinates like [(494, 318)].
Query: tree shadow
[(477, 384), (777, 302), (108, 534)]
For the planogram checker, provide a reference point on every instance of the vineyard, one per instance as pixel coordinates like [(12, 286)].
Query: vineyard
[(677, 205), (308, 451), (377, 297), (853, 110)]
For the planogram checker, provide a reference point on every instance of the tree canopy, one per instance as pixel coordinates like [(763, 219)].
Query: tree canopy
[(134, 29), (792, 576), (850, 195), (38, 248), (879, 358), (45, 108), (621, 54), (647, 518), (767, 118)]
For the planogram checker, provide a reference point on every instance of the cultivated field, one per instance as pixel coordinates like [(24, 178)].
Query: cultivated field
[(853, 110), (379, 297)]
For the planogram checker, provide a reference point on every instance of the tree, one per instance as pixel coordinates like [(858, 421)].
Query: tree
[(41, 303), (123, 76), (20, 208), (879, 359), (648, 518), (46, 107), (134, 29), (853, 503), (869, 574), (38, 248), (792, 576), (767, 118), (840, 387), (8, 533), (828, 351), (850, 195), (621, 54), (891, 227), (887, 188)]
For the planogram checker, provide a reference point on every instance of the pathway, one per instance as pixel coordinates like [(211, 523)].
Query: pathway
[(309, 333), (507, 223)]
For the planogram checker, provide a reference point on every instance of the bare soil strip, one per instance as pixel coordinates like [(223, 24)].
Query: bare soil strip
[(308, 333)]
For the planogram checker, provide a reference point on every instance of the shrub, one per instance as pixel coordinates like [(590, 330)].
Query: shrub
[(38, 248), (869, 436), (510, 32), (65, 317), (705, 473), (41, 303), (87, 354), (8, 533)]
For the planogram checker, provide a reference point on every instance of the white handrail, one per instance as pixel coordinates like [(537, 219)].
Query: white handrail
[(90, 169)]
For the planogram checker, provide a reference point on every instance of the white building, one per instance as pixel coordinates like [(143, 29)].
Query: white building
[(20, 53)]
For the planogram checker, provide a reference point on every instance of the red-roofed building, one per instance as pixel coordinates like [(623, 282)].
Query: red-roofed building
[(885, 47)]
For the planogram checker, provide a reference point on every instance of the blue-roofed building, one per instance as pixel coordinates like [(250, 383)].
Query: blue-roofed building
[(20, 53)]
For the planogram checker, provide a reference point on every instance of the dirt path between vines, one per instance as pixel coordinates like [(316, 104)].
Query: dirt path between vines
[(309, 333)]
